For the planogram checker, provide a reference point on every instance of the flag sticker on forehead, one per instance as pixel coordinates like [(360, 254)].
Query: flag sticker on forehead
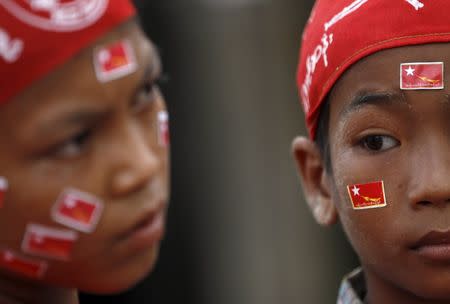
[(114, 61), (3, 188), (422, 76), (49, 242), (15, 263), (366, 196), (77, 210)]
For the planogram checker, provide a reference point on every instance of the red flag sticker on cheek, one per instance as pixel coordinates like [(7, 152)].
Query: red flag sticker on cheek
[(163, 128), (49, 242), (3, 188), (365, 196), (422, 76), (10, 261), (77, 210), (114, 61)]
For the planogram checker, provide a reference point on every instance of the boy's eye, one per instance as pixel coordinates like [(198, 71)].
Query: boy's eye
[(146, 96), (378, 142), (72, 147)]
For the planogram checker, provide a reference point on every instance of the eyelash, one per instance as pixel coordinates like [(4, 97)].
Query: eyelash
[(147, 93), (365, 142), (78, 141), (73, 146)]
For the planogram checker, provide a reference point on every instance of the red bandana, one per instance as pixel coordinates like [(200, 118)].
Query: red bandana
[(339, 33), (37, 36)]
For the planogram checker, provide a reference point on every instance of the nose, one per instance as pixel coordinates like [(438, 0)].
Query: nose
[(430, 175), (135, 162)]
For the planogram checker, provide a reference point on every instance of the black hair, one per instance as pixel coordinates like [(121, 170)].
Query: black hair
[(322, 134)]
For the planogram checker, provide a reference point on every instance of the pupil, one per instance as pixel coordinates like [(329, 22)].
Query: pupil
[(374, 142)]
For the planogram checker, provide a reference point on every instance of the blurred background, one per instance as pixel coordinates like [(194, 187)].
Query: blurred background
[(238, 229)]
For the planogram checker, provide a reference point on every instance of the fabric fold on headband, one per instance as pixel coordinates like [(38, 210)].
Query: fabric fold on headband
[(37, 36), (340, 33)]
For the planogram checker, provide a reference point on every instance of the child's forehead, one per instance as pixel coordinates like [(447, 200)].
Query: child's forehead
[(381, 71), (75, 87), (341, 33)]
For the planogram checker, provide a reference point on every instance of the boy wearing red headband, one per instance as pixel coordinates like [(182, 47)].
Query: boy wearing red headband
[(375, 87), (83, 150)]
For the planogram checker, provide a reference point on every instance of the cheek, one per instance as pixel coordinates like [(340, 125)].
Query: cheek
[(25, 202), (375, 233)]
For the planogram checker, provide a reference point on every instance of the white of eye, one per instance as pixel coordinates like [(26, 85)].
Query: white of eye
[(379, 142)]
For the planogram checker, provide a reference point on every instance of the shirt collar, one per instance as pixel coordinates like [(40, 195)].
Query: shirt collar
[(353, 288)]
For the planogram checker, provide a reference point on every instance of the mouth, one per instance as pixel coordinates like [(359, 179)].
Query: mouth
[(434, 246), (148, 230)]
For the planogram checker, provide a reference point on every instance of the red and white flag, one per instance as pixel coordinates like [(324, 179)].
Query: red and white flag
[(114, 61), (77, 210), (3, 188), (364, 196), (163, 128), (49, 242), (12, 262), (422, 76)]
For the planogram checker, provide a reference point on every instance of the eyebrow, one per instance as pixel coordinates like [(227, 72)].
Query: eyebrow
[(76, 118), (88, 116), (365, 98)]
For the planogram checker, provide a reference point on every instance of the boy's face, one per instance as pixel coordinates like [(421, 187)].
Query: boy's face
[(401, 137), (71, 130)]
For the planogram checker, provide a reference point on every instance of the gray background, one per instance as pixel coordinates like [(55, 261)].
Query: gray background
[(239, 231)]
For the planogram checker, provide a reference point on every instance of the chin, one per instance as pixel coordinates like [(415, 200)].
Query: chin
[(431, 288), (434, 294), (123, 277)]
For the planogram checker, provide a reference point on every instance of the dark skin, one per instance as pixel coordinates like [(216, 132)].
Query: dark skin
[(70, 130), (378, 132)]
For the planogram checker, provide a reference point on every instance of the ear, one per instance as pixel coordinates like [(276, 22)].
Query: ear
[(315, 180)]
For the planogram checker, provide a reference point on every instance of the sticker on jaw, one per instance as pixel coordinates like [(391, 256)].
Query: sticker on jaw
[(3, 188), (163, 129), (114, 61), (77, 210), (366, 196), (422, 76), (48, 242), (18, 264)]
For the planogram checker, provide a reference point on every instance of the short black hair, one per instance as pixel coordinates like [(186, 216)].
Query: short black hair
[(322, 134)]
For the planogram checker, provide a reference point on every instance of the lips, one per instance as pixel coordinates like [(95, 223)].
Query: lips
[(148, 217), (434, 245)]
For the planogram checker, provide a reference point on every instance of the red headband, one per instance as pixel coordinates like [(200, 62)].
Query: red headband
[(339, 33), (37, 36)]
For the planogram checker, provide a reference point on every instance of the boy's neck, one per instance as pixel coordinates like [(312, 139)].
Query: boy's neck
[(380, 291), (17, 291)]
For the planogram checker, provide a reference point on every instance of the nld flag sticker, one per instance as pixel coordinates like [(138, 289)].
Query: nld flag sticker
[(114, 61), (10, 261), (163, 129), (3, 189), (422, 76), (49, 242), (77, 210), (365, 196)]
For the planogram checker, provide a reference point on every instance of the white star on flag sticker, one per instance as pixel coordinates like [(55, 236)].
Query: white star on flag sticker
[(355, 190), (410, 71)]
